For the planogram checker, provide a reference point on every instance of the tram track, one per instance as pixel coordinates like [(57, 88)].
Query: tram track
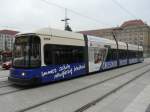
[(3, 77), (88, 87), (1, 82), (94, 102), (10, 92), (7, 88), (5, 84)]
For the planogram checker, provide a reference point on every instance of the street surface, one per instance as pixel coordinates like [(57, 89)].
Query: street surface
[(126, 89)]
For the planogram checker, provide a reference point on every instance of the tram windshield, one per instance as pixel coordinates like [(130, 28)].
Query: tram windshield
[(27, 52)]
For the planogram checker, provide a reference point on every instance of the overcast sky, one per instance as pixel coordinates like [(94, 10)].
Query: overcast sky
[(27, 15)]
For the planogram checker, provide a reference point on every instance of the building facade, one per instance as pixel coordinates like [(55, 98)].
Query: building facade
[(6, 39), (133, 32)]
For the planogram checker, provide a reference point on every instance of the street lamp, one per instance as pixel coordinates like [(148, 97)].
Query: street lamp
[(66, 21), (67, 27)]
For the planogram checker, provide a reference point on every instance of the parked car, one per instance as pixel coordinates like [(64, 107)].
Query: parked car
[(7, 65)]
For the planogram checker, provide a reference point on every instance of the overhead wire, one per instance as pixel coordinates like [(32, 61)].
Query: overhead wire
[(75, 12), (124, 9), (91, 18)]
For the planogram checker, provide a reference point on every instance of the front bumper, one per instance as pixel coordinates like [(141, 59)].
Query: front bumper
[(24, 82)]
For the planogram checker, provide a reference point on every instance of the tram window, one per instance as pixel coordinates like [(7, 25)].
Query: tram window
[(140, 54), (129, 54), (132, 54), (109, 55), (112, 54), (122, 54), (35, 58), (62, 54), (27, 52)]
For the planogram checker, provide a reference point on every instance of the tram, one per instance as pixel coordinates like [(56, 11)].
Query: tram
[(50, 55)]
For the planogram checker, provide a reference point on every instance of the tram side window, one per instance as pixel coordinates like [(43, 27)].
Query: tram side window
[(135, 54), (122, 54), (109, 55), (115, 54), (62, 54), (132, 54), (112, 54), (140, 54), (129, 54)]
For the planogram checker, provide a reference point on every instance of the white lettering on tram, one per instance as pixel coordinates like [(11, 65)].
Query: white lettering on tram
[(62, 71), (80, 67)]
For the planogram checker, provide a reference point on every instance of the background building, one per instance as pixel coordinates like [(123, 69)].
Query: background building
[(6, 39), (134, 32)]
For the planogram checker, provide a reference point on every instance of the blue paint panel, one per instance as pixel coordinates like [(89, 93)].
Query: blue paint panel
[(51, 73), (122, 62), (66, 71), (29, 73), (109, 64), (133, 60)]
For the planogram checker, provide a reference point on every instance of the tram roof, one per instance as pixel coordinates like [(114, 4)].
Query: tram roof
[(73, 35), (59, 33), (135, 47), (140, 48)]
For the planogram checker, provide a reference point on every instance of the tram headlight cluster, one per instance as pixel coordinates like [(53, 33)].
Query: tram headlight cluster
[(23, 73)]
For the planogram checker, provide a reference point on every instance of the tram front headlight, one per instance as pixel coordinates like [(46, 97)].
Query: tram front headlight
[(23, 74)]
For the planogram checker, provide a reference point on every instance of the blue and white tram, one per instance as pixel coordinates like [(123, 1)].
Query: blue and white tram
[(50, 55)]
